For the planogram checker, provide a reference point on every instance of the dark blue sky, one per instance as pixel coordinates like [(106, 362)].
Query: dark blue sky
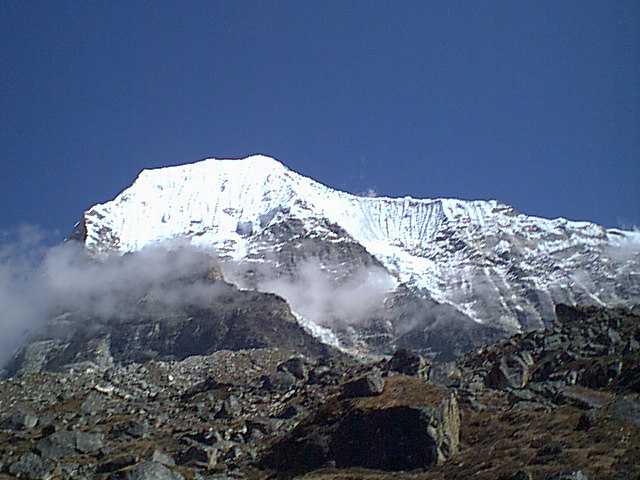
[(534, 103)]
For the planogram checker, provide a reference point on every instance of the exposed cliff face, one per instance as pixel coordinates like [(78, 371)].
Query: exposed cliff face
[(481, 260)]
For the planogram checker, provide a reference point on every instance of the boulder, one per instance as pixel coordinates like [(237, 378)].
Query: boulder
[(398, 438), (366, 386), (405, 428), (161, 457), (279, 381), (296, 367), (510, 372), (33, 467), (61, 444), (152, 471), (409, 363), (20, 420)]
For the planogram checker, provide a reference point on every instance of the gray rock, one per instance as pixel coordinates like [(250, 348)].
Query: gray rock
[(368, 385), (88, 442), (231, 407), (409, 363), (61, 444), (571, 475), (296, 367), (93, 404), (394, 438), (33, 467), (152, 471), (20, 420), (627, 409), (511, 371), (632, 346), (280, 381), (161, 457), (137, 429), (57, 445)]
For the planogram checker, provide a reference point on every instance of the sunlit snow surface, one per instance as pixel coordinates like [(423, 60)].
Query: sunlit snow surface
[(446, 247)]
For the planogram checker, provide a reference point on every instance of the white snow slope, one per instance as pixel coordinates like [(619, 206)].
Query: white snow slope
[(453, 249)]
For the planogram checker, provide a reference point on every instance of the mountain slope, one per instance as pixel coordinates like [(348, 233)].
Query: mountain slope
[(480, 258)]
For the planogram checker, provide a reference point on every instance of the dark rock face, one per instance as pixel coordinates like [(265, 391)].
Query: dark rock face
[(389, 439), (396, 436), (366, 386), (409, 363), (237, 320)]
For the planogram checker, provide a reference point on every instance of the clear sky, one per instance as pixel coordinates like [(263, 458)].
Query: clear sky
[(534, 103)]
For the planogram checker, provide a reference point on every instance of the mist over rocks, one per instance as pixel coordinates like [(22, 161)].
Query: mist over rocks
[(165, 301)]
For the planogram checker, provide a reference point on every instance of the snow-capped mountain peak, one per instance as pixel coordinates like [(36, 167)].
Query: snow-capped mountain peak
[(490, 262)]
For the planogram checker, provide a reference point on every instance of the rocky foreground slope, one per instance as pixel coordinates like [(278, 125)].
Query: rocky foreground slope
[(563, 403)]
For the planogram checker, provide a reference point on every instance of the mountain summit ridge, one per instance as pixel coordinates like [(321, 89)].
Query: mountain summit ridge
[(488, 261)]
